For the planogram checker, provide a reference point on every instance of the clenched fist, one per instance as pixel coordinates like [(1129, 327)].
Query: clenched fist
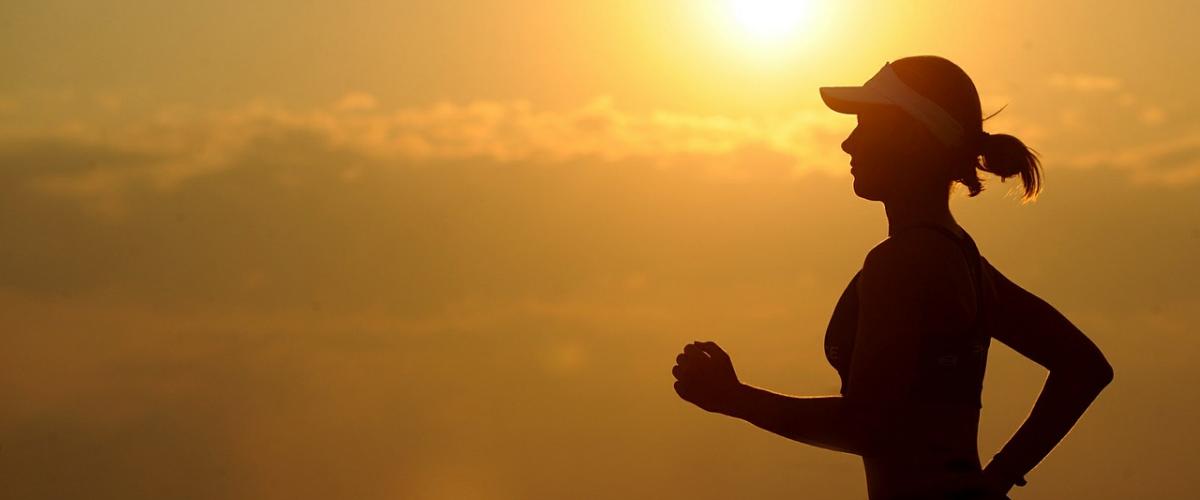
[(704, 376)]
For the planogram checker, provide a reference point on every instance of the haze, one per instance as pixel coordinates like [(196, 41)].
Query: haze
[(448, 250)]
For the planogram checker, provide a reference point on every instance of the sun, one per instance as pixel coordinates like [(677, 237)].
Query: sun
[(769, 20), (766, 33)]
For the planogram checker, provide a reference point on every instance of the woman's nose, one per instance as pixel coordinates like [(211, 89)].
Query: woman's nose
[(848, 144)]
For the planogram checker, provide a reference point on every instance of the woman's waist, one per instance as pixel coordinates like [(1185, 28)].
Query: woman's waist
[(933, 474), (934, 449)]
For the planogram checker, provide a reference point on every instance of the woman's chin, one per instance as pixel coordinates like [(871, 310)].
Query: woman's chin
[(864, 190)]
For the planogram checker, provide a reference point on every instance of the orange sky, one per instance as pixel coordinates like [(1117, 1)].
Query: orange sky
[(448, 250)]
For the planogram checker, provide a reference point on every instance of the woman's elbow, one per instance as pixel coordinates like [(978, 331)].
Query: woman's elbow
[(1089, 366), (1104, 373), (1100, 370), (1096, 375)]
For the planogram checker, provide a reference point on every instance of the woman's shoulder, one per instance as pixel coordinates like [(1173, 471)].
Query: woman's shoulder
[(919, 269), (918, 249)]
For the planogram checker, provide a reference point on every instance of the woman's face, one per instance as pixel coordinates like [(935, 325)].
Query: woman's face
[(890, 155)]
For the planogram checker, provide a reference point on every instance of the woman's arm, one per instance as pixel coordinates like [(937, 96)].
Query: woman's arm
[(1078, 372), (819, 421), (705, 377)]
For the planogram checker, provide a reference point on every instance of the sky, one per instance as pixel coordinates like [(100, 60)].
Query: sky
[(449, 250)]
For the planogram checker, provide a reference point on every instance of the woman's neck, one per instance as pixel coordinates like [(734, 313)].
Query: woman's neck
[(922, 211)]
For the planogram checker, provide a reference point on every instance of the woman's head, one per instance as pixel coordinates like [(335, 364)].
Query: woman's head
[(920, 128)]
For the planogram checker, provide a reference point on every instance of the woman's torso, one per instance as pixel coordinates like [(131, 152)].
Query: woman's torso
[(937, 451)]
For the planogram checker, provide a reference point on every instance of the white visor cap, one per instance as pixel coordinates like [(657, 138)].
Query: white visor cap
[(886, 88)]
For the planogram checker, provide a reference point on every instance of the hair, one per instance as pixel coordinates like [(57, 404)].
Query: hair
[(1004, 155)]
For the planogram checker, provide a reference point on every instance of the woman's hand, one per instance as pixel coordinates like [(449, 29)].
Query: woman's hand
[(704, 376)]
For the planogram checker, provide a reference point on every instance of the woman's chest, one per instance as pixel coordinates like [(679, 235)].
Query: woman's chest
[(839, 334)]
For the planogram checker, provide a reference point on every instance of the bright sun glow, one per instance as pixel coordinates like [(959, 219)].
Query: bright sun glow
[(769, 20)]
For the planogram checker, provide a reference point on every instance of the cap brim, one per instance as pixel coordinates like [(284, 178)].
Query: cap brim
[(851, 100)]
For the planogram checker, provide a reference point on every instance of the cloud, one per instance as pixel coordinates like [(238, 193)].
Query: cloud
[(1086, 83), (102, 163), (1152, 115), (188, 143), (356, 101), (1172, 162)]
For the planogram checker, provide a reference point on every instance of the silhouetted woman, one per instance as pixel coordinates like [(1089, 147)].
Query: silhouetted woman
[(909, 336)]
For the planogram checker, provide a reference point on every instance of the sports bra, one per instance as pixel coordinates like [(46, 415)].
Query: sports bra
[(951, 364)]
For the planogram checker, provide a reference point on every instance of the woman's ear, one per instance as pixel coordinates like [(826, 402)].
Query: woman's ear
[(922, 144), (910, 139)]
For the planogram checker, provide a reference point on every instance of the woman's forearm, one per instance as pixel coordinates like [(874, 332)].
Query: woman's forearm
[(819, 421), (1064, 398)]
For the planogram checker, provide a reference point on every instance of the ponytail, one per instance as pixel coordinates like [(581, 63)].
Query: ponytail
[(1006, 156)]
